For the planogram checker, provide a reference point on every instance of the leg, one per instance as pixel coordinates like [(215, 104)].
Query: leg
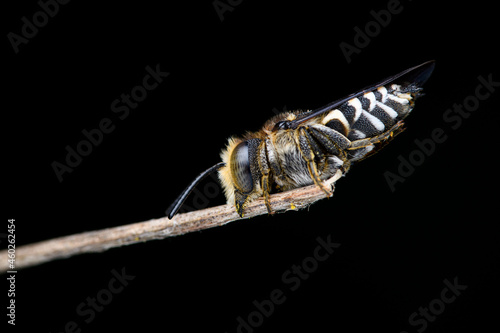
[(333, 142), (265, 170), (273, 162), (379, 141), (306, 148), (388, 135)]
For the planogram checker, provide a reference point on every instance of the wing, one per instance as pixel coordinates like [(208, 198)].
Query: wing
[(415, 76)]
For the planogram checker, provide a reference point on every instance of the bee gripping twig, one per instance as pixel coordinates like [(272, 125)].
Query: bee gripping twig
[(102, 240)]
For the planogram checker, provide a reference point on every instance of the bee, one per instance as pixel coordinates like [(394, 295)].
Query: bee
[(296, 149)]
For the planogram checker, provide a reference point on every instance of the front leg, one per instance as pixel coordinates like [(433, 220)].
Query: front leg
[(265, 171)]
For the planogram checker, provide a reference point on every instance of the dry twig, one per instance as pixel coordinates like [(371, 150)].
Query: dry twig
[(101, 240)]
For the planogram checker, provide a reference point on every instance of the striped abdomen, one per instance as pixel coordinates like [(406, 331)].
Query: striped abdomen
[(372, 113)]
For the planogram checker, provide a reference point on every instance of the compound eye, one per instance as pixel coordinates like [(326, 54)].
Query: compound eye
[(240, 168)]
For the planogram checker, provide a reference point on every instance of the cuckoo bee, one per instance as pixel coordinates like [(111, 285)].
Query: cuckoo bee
[(296, 149)]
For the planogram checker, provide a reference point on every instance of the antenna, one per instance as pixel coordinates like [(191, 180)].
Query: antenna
[(177, 204)]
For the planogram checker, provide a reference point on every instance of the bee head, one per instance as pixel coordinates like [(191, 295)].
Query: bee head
[(239, 177)]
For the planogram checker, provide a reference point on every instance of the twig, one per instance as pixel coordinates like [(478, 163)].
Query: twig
[(101, 240)]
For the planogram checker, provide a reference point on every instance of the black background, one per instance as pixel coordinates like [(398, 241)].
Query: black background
[(226, 77)]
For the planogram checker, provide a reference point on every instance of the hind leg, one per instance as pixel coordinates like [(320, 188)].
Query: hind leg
[(369, 146), (325, 151)]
